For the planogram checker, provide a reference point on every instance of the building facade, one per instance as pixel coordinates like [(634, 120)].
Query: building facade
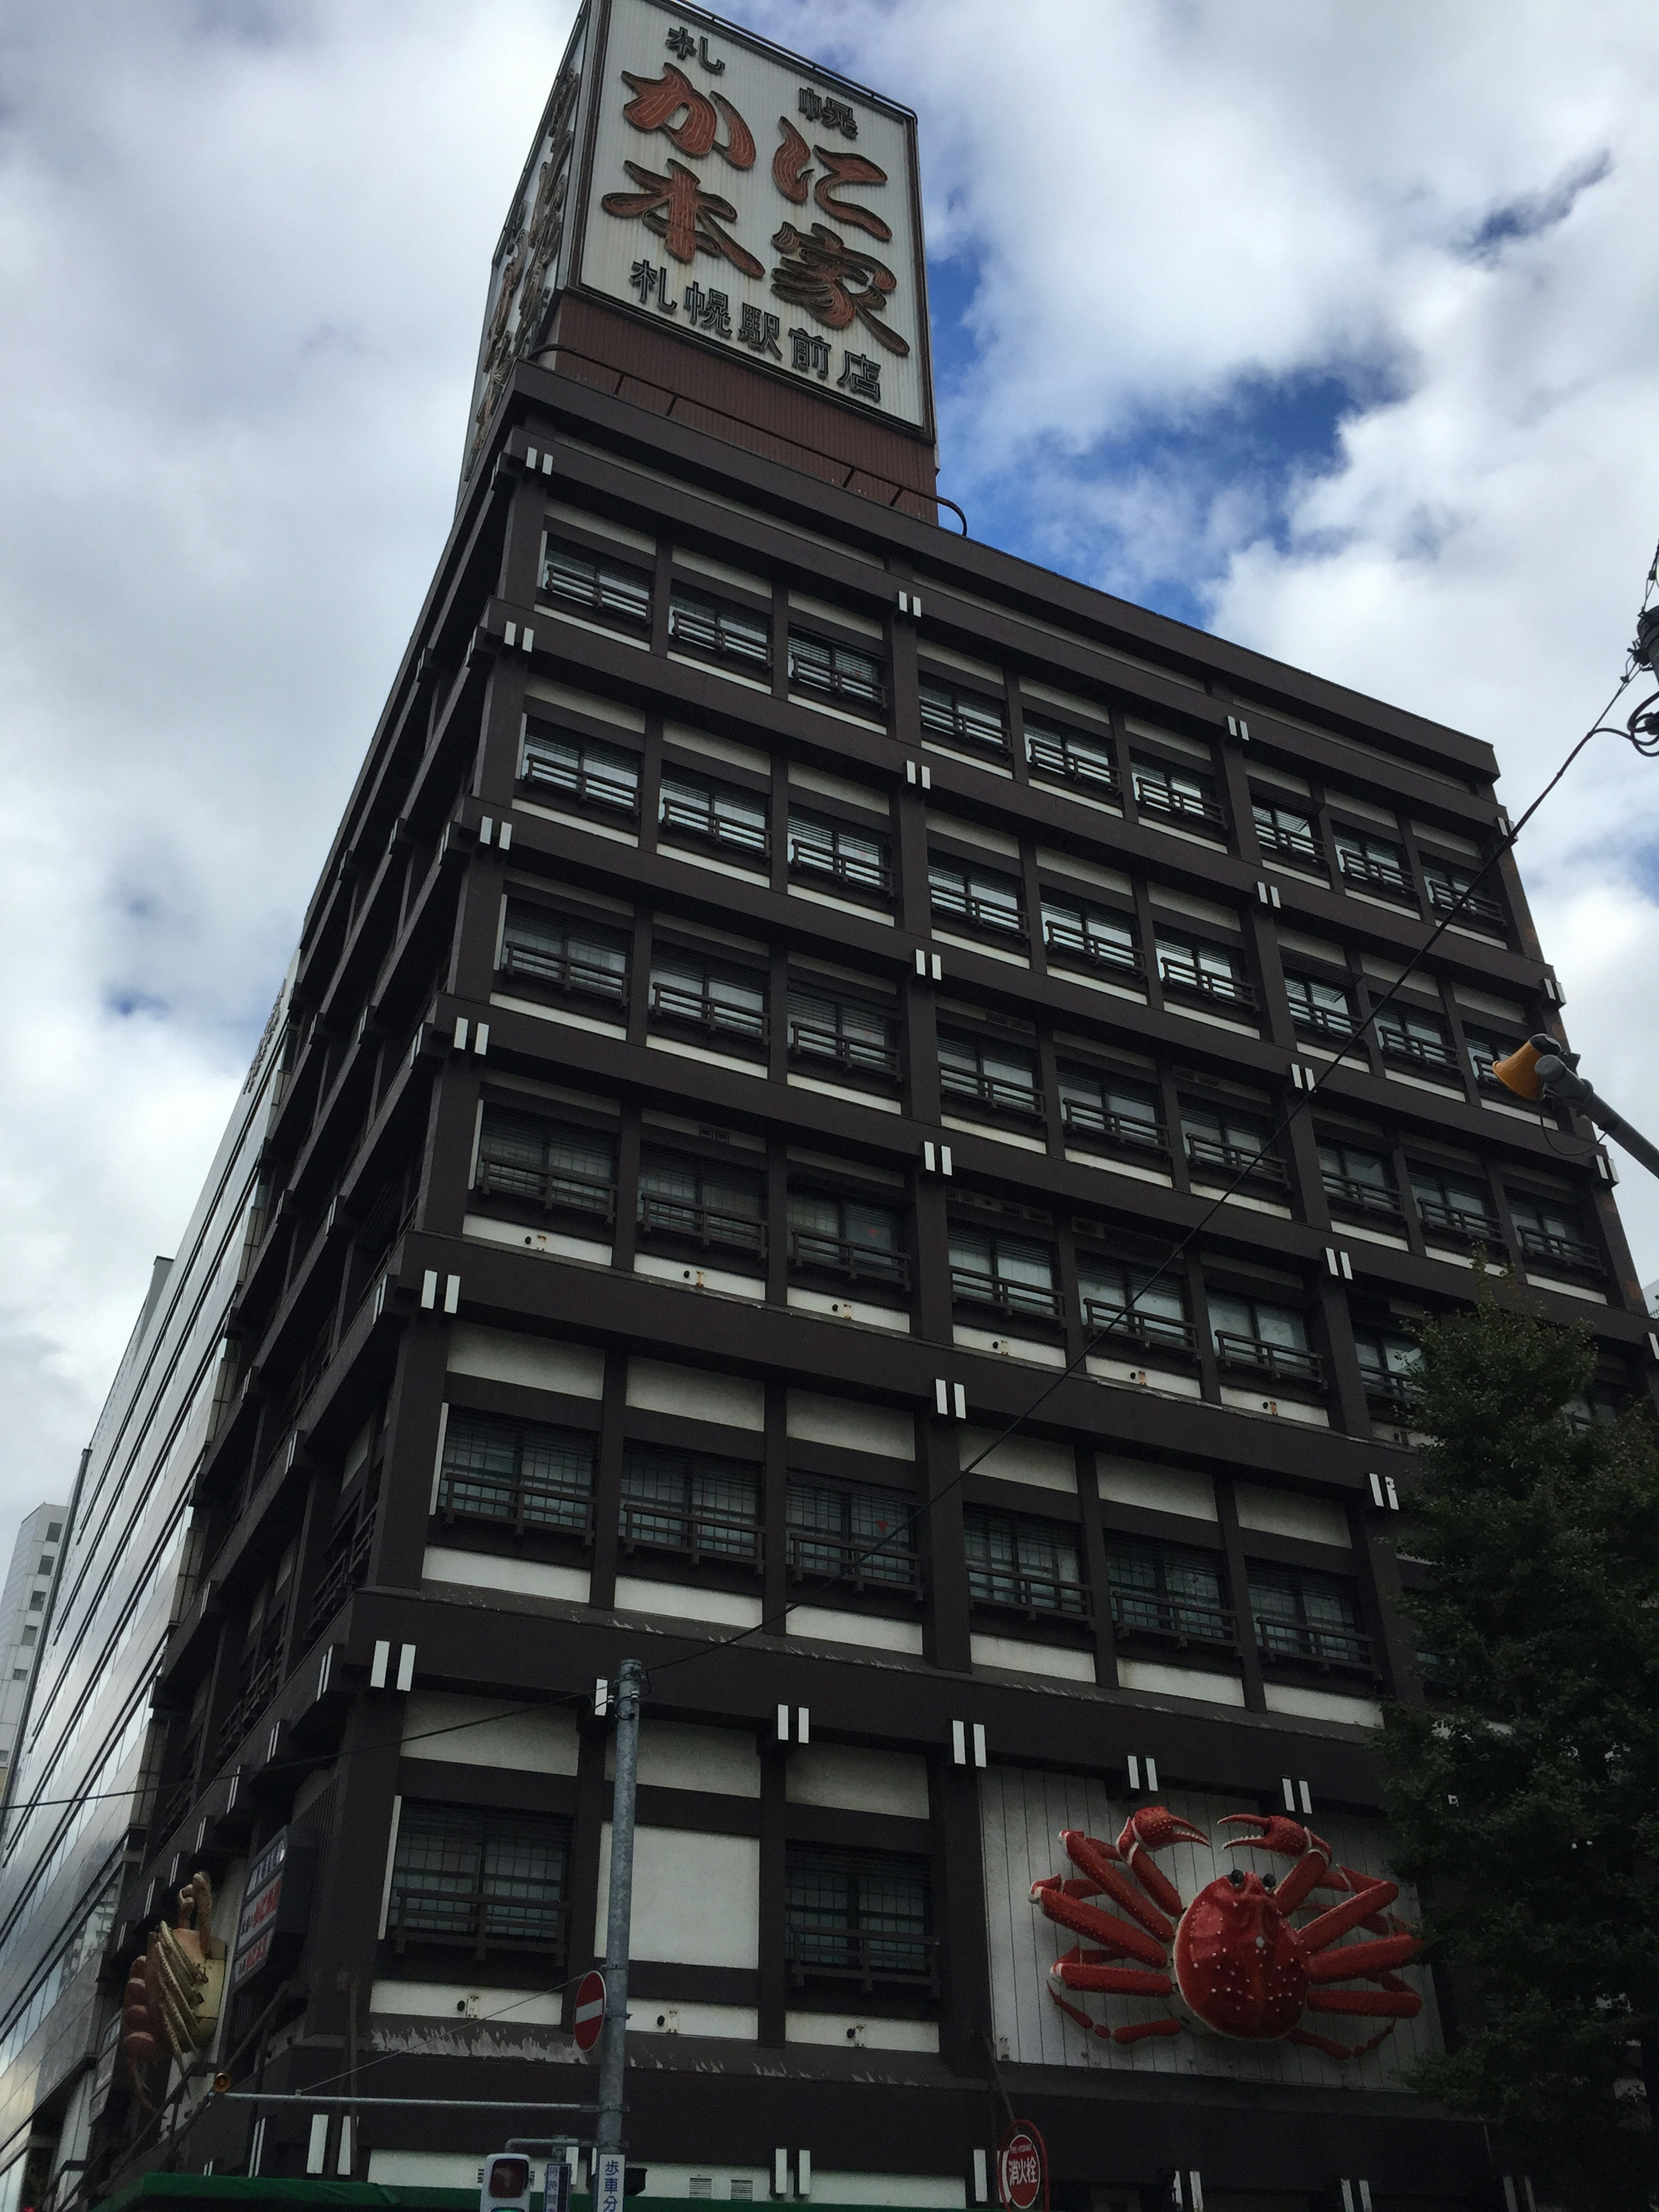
[(24, 1601), (787, 979)]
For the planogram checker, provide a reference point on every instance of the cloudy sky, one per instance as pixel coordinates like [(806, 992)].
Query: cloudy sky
[(1329, 328)]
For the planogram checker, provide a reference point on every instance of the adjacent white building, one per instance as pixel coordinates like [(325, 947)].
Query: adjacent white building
[(24, 1607)]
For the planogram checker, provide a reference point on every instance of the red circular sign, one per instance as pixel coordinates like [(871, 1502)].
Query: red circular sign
[(589, 2015), (1022, 2170)]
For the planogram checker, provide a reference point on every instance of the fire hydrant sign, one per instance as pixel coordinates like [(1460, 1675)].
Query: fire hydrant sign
[(1022, 2170), (589, 2011)]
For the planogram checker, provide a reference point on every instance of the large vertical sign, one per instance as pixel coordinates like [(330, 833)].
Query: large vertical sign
[(750, 202)]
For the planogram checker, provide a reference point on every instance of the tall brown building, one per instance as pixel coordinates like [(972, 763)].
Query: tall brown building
[(788, 977)]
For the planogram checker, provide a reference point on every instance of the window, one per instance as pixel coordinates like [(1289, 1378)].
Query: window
[(1374, 862), (726, 1002), (1164, 1592), (864, 1916), (847, 1236), (1483, 1050), (859, 1038), (1213, 972), (1307, 1616), (580, 768), (856, 859), (1452, 889), (835, 672), (714, 626), (1358, 1178), (1091, 934), (1221, 1140), (597, 585), (557, 1168), (1013, 1274), (701, 1202), (983, 898), (1029, 1566), (563, 954), (1272, 1340), (522, 1472), (1388, 1365), (1404, 1033), (1287, 833), (54, 1532), (20, 1674), (866, 1538), (29, 1635), (48, 1561), (948, 712), (1125, 1299), (1325, 1009), (1450, 1205), (987, 1073), (1549, 1231), (479, 1880), (689, 1503), (1177, 795), (1095, 1103), (714, 813), (37, 1600), (1087, 762)]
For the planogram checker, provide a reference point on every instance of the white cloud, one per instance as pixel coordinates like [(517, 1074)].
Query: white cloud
[(244, 252)]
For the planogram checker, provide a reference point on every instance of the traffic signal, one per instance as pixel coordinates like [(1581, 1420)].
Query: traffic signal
[(505, 2182), (1518, 1071)]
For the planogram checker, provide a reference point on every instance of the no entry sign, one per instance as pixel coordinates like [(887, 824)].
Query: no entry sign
[(1022, 2170), (589, 2017)]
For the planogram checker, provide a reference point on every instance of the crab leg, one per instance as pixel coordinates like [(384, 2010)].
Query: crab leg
[(1077, 1970), (1334, 2050), (1375, 2004), (1340, 1918), (1146, 2028), (1154, 1828), (1102, 1928), (1096, 1860), (1351, 1959)]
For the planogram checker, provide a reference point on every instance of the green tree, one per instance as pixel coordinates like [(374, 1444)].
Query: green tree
[(1525, 1797)]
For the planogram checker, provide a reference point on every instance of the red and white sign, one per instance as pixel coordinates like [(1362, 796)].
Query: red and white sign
[(1022, 2170), (589, 2015)]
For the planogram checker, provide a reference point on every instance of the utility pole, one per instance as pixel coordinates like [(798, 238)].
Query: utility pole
[(613, 2046)]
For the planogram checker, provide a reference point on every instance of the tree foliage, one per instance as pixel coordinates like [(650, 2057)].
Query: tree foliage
[(1525, 1797)]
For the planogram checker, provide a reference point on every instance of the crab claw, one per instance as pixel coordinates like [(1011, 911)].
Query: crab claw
[(1274, 1833), (1154, 1828)]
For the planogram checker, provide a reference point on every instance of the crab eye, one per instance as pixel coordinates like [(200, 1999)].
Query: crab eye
[(1235, 1875), (1270, 1882)]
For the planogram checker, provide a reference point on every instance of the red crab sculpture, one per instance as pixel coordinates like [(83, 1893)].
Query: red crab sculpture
[(1240, 1966)]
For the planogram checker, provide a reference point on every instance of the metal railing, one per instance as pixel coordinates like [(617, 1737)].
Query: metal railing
[(1153, 1332), (1177, 975), (1016, 1589), (1024, 1301), (722, 635), (693, 1534), (1153, 796), (1073, 942), (1323, 1647), (1071, 764), (993, 917), (1382, 875), (519, 1502), (477, 1921), (1395, 1395), (688, 819), (566, 971), (853, 687), (852, 1560), (1281, 1362), (1176, 1620), (1447, 898), (345, 1568), (589, 786), (1563, 1251), (807, 858), (1363, 1197), (700, 1225), (993, 1091), (262, 1687), (1300, 847), (1323, 1021), (859, 1956), (601, 591), (704, 1009), (1463, 1221), (555, 1190), (1127, 1131), (1422, 1052), (948, 717), (814, 1041), (847, 1257), (1235, 1159)]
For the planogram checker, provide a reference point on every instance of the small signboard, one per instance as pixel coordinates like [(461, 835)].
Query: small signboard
[(1021, 2169), (610, 2178), (274, 1904), (588, 2016)]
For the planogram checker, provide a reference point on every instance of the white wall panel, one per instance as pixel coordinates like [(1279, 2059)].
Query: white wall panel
[(696, 1897)]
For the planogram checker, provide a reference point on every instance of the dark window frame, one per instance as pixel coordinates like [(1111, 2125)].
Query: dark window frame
[(614, 591)]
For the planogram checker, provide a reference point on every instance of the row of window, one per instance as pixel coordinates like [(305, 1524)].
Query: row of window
[(1291, 834), (484, 1881), (707, 1510)]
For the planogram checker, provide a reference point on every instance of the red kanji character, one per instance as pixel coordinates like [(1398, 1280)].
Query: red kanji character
[(658, 100), (790, 174), (834, 281), (676, 208)]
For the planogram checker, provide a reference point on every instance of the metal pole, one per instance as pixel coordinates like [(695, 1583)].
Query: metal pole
[(613, 2046)]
